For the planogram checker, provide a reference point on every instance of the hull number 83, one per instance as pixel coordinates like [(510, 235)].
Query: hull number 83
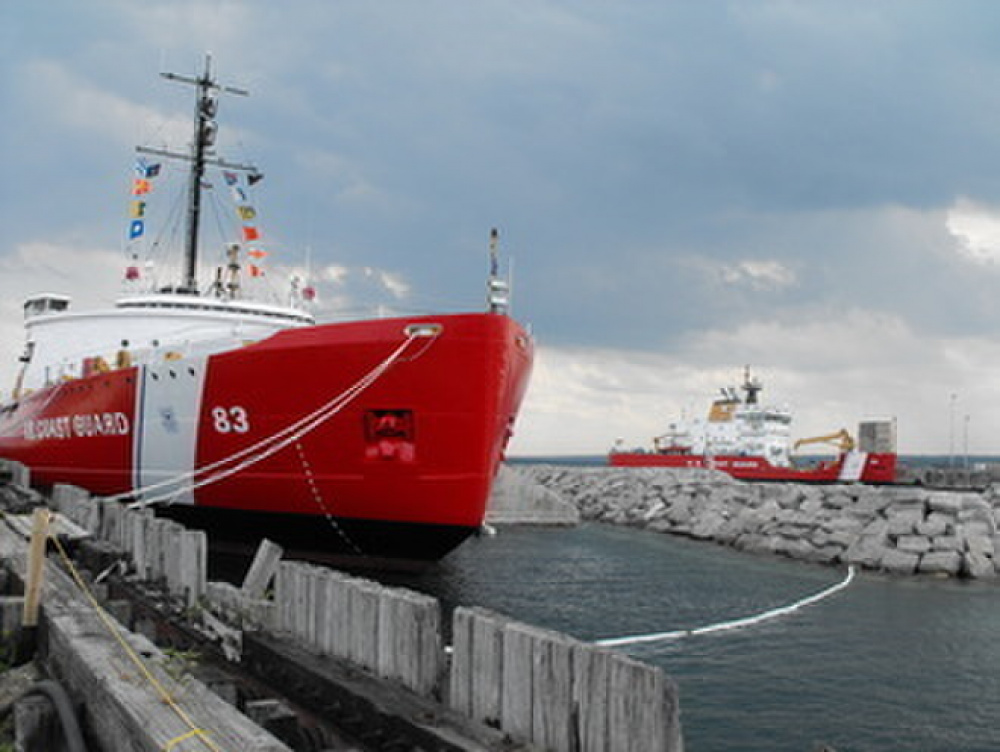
[(230, 419)]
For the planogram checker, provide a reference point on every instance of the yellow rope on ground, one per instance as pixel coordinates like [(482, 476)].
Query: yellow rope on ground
[(182, 738), (112, 627)]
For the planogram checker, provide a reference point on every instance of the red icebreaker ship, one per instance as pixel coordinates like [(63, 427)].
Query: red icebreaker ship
[(377, 439), (752, 441)]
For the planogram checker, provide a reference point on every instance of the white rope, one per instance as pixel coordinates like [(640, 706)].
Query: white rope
[(267, 446), (736, 623)]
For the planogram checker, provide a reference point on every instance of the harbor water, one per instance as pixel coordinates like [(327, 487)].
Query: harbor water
[(882, 665)]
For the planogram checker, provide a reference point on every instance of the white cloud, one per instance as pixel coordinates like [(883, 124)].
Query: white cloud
[(976, 227), (334, 273), (829, 339), (350, 290), (762, 275), (84, 107), (833, 373), (394, 284)]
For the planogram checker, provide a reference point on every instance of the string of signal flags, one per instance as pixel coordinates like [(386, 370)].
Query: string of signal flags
[(142, 186)]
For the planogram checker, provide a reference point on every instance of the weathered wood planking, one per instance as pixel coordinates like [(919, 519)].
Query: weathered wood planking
[(159, 548), (555, 692), (393, 633), (559, 693), (262, 569), (122, 709)]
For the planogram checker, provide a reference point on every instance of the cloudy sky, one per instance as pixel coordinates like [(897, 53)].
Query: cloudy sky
[(685, 188)]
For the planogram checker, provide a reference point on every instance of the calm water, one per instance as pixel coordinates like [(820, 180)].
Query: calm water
[(885, 665)]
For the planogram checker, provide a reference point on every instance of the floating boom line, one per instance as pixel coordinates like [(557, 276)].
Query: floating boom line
[(747, 621)]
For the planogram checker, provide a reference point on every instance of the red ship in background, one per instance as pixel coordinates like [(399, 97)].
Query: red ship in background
[(377, 439), (750, 440)]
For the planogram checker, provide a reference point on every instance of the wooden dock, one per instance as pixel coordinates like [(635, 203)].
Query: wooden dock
[(341, 646)]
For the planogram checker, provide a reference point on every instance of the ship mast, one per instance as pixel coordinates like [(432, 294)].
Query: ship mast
[(205, 129)]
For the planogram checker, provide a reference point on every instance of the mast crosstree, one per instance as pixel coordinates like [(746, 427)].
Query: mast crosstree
[(205, 130)]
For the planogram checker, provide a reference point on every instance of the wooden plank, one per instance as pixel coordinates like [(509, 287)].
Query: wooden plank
[(282, 595), (518, 693), (90, 515), (552, 686), (63, 527), (644, 714), (173, 554), (122, 711), (110, 524), (339, 609), (488, 667), (364, 600), (326, 627), (409, 646), (425, 675), (36, 567), (262, 569), (591, 697), (301, 618), (388, 653), (287, 589), (193, 564), (320, 611), (141, 553), (133, 542), (459, 696), (311, 606), (70, 500), (156, 539)]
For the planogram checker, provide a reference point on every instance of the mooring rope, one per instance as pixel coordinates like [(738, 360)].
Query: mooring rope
[(267, 446), (735, 623)]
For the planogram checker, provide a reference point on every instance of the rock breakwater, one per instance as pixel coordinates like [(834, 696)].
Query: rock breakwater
[(897, 529)]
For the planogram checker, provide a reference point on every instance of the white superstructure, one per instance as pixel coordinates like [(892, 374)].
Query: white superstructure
[(142, 329), (736, 425)]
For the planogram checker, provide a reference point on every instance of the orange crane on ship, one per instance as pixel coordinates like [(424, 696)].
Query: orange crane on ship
[(842, 440)]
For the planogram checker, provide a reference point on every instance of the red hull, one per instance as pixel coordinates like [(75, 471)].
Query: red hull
[(417, 448), (867, 468)]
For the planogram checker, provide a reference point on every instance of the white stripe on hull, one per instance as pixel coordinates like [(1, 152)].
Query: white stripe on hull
[(168, 403)]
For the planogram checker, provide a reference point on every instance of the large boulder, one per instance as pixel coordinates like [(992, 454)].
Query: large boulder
[(978, 566), (947, 502), (707, 526), (904, 520), (867, 551), (941, 562), (900, 562), (936, 524), (914, 544)]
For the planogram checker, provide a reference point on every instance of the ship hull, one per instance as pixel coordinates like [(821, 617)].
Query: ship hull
[(875, 468), (375, 439)]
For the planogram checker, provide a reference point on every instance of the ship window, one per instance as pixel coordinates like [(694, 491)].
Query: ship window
[(45, 304)]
